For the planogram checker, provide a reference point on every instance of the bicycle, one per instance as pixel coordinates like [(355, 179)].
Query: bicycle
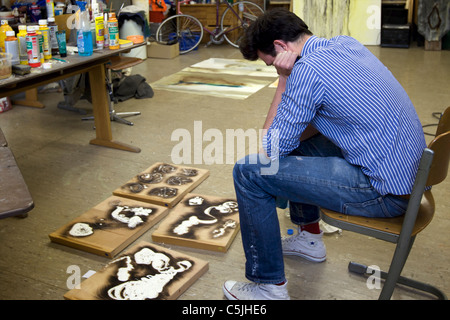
[(188, 30)]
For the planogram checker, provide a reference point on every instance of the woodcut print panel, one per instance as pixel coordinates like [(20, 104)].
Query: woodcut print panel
[(200, 221), (162, 184), (145, 272), (110, 226)]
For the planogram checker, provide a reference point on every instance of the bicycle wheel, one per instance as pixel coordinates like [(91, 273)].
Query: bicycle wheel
[(236, 19), (187, 30)]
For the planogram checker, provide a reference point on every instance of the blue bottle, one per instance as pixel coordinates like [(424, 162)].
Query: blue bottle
[(84, 35)]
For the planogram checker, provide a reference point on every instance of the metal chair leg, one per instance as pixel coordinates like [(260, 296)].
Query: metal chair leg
[(361, 269)]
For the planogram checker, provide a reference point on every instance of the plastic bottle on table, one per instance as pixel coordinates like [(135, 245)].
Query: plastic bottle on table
[(12, 47), (44, 29), (53, 41), (34, 55), (41, 43), (113, 26), (4, 27), (84, 35), (22, 39)]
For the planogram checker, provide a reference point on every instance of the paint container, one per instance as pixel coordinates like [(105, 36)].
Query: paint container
[(5, 27), (22, 38), (34, 55), (12, 47), (41, 43), (53, 29), (61, 37), (45, 30), (113, 26)]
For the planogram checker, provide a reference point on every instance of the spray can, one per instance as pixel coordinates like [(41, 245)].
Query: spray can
[(46, 34), (50, 8), (113, 26), (12, 47), (22, 38), (34, 55), (105, 31), (99, 25)]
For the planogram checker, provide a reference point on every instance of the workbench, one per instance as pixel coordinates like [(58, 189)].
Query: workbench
[(15, 198), (74, 64)]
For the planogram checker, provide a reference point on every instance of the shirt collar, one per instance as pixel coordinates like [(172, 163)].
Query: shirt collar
[(312, 44)]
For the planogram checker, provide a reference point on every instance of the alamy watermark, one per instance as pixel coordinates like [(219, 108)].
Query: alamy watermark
[(213, 146), (74, 280), (374, 279)]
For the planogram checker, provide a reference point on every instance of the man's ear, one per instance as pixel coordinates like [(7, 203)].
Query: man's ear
[(280, 45)]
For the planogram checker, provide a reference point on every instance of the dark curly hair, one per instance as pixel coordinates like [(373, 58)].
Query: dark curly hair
[(275, 24)]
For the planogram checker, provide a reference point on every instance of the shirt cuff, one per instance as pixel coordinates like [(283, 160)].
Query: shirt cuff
[(270, 145)]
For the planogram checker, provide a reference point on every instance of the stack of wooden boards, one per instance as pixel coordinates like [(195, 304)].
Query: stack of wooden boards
[(148, 271)]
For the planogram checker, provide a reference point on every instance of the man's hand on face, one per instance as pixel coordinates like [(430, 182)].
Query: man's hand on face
[(284, 62)]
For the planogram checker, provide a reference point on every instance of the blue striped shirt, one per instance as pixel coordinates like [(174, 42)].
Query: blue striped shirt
[(339, 87)]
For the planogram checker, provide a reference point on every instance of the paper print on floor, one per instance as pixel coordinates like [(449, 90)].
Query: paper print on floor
[(163, 184), (239, 67), (200, 221), (145, 272), (110, 226), (228, 78)]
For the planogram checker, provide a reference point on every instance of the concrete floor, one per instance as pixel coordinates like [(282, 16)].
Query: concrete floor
[(67, 176)]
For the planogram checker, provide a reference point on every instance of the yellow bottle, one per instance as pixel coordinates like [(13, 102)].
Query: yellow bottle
[(113, 26), (5, 27), (47, 41), (22, 37)]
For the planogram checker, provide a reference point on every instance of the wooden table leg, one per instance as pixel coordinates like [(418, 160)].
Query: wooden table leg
[(31, 99), (100, 103)]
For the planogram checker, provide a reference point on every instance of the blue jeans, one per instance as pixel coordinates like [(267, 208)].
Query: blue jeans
[(315, 175)]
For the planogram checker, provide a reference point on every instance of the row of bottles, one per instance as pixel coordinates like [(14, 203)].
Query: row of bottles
[(106, 30), (33, 44)]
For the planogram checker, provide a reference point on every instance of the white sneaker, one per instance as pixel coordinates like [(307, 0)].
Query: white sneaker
[(307, 245), (254, 291)]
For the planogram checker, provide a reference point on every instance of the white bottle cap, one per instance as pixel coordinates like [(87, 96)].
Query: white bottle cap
[(43, 22), (10, 33)]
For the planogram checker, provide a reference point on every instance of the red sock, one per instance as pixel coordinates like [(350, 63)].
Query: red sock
[(311, 228)]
